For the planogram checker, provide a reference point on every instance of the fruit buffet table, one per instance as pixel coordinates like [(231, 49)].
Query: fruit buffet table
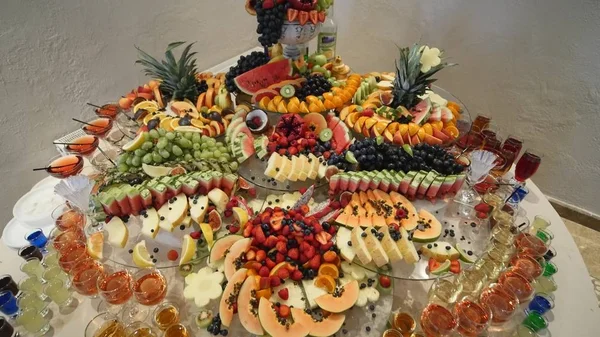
[(576, 312)]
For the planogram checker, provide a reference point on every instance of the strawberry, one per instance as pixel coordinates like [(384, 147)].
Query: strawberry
[(279, 258), (326, 246), (317, 227), (265, 282), (285, 231), (283, 273), (264, 271), (275, 281), (281, 247), (283, 142), (252, 192), (196, 235), (385, 281), (172, 255), (310, 252), (302, 190), (293, 151), (271, 241), (250, 255), (233, 229), (293, 253), (315, 262), (256, 221), (296, 275), (259, 235), (367, 113), (483, 207), (284, 311), (326, 154), (268, 4), (270, 263), (455, 267), (282, 152), (481, 215), (284, 294), (261, 255)]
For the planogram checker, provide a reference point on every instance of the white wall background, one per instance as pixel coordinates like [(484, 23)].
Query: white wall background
[(533, 65)]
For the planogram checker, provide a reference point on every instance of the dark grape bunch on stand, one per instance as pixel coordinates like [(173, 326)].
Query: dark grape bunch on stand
[(244, 64), (372, 156), (270, 15), (202, 86), (315, 85)]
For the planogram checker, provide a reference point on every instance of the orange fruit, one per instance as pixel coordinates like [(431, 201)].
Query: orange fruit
[(327, 96), (329, 104), (348, 95), (438, 125), (293, 107), (251, 272), (281, 107), (352, 81), (272, 106), (413, 129), (264, 102), (338, 102), (403, 128), (336, 90), (266, 293), (329, 269), (428, 128), (454, 112), (453, 106), (276, 100), (174, 123), (421, 133), (304, 108), (320, 104), (197, 123), (313, 107), (311, 99), (325, 282), (95, 244), (294, 100), (452, 130)]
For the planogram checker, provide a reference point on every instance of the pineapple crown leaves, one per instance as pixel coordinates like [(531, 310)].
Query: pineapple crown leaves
[(410, 82), (178, 76)]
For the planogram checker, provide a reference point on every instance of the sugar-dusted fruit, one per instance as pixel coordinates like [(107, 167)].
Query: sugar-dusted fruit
[(328, 326)]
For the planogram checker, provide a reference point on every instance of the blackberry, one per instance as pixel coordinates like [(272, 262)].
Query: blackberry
[(244, 64), (315, 85)]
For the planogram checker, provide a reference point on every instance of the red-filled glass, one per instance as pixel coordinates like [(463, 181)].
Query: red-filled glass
[(437, 320), (64, 240), (69, 219), (115, 287), (518, 284), (490, 140), (471, 140), (84, 145), (65, 166), (150, 286), (527, 266), (108, 111), (472, 317), (481, 122), (515, 143), (72, 255), (501, 302), (99, 127), (85, 277), (527, 165)]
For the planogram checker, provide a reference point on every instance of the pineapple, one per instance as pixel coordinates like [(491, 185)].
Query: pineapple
[(410, 82), (178, 78)]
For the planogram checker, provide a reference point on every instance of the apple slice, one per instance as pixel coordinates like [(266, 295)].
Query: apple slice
[(375, 248), (163, 218), (314, 166), (341, 241), (305, 166), (118, 234), (150, 223), (178, 209), (272, 165), (219, 199), (198, 207), (295, 170), (284, 170)]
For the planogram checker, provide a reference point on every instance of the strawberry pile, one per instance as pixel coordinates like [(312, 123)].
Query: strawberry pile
[(287, 243), (291, 137)]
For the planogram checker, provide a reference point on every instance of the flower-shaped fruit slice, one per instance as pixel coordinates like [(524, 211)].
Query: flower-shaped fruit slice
[(203, 286)]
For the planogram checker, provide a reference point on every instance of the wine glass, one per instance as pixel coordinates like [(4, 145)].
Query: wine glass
[(436, 320), (501, 302), (85, 276), (72, 254), (114, 285), (527, 165), (67, 217), (473, 318), (105, 324), (149, 289)]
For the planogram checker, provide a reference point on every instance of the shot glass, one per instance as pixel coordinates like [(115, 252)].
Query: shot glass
[(37, 238), (50, 259), (58, 292), (33, 284), (535, 321), (7, 330), (32, 300), (7, 283), (33, 267), (8, 304), (54, 272), (105, 324), (28, 252), (33, 321)]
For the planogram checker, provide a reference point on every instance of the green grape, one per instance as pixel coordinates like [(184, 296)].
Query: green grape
[(140, 153), (211, 140), (154, 134), (122, 158), (147, 158), (233, 165), (128, 161), (196, 138), (147, 146), (123, 168), (136, 161), (204, 146), (162, 132), (217, 153), (146, 136), (226, 156), (162, 143), (198, 155), (156, 157), (170, 135), (169, 147), (196, 146), (177, 151), (185, 143), (188, 157), (206, 155), (188, 135), (164, 153)]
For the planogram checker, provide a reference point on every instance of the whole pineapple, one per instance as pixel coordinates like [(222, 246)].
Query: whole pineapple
[(178, 78), (410, 82)]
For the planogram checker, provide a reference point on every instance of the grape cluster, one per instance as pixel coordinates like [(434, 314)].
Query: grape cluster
[(372, 156), (214, 327), (161, 146), (202, 86), (244, 64), (315, 85), (270, 21)]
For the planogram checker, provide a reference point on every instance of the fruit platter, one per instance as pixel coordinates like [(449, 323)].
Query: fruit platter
[(285, 196)]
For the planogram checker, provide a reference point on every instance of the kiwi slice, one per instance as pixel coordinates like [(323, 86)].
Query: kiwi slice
[(351, 158), (287, 91), (325, 135), (408, 149), (203, 319)]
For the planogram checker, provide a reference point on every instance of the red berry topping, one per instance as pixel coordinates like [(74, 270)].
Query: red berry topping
[(261, 255), (275, 281), (296, 275), (293, 253), (315, 262), (270, 263), (264, 271), (233, 229), (283, 273), (385, 281), (196, 235), (172, 255), (284, 294), (483, 207), (284, 311)]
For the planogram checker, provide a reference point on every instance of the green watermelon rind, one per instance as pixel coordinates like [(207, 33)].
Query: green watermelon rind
[(260, 146), (264, 76)]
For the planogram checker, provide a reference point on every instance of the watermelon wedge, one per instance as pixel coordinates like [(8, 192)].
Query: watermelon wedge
[(262, 77), (341, 134)]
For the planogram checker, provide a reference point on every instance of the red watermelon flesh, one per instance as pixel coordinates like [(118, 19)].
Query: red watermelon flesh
[(262, 77), (341, 134), (263, 93)]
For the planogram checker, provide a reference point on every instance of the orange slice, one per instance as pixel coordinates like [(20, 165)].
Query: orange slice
[(329, 104), (336, 90), (266, 293), (452, 130), (197, 123), (264, 102), (329, 269), (325, 282), (320, 104), (95, 244), (209, 97), (272, 106), (166, 124), (421, 133), (438, 125), (281, 107), (293, 107), (327, 96), (352, 118), (174, 123), (403, 128), (314, 108), (311, 99), (294, 100), (380, 127), (454, 107), (413, 129), (304, 108), (370, 122), (428, 128), (337, 101), (276, 100)]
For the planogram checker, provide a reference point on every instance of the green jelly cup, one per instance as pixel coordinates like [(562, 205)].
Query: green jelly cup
[(535, 321)]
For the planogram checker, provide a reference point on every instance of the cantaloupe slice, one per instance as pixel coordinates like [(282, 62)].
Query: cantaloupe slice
[(341, 300), (327, 327), (231, 292)]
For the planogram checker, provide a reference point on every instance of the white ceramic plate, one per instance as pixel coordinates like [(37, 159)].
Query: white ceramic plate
[(46, 182), (14, 233), (43, 201)]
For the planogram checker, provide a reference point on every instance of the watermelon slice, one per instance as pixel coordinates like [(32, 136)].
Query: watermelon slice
[(353, 183), (436, 114), (159, 194), (122, 200), (447, 185), (421, 111), (414, 185), (135, 200), (344, 180), (334, 182), (260, 146), (433, 190), (109, 204), (146, 197), (405, 183), (460, 179), (425, 184), (228, 183), (262, 77), (242, 147), (341, 133)]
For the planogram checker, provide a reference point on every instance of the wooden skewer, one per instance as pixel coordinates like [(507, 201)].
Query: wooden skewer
[(57, 143), (86, 123), (48, 167), (94, 105)]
